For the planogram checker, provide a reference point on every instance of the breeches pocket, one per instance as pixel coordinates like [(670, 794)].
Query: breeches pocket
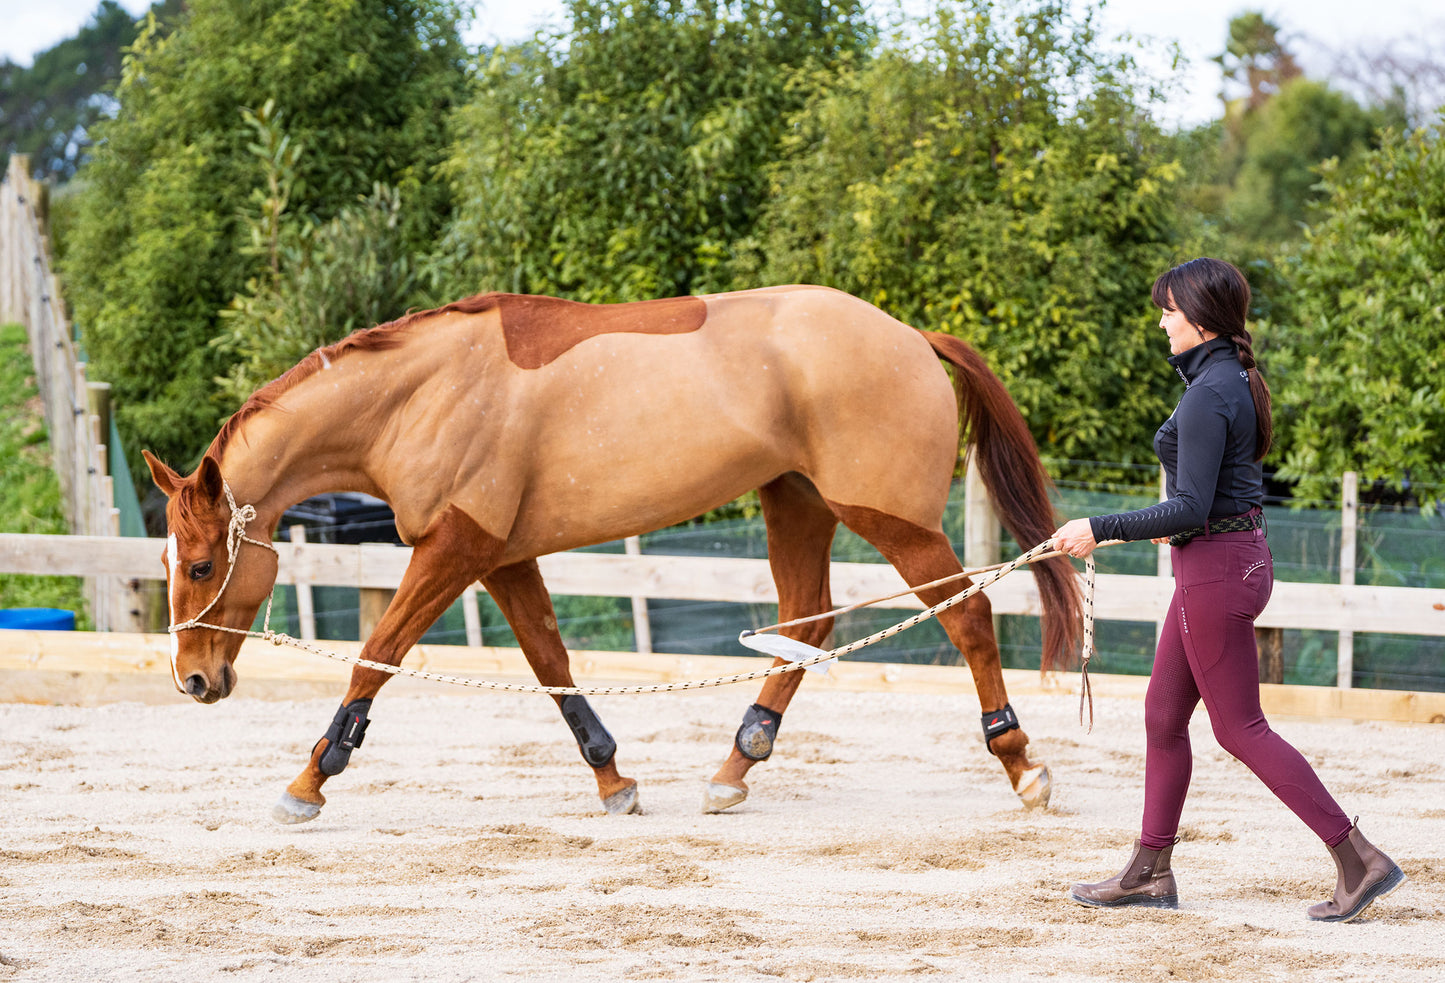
[(1220, 588)]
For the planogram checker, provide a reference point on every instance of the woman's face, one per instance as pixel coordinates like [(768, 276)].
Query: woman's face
[(1183, 333)]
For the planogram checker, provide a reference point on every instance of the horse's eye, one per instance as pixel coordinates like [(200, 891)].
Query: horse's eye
[(200, 571)]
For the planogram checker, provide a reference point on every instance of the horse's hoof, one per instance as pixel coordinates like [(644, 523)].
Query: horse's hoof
[(290, 810), (717, 797), (1034, 787), (623, 803)]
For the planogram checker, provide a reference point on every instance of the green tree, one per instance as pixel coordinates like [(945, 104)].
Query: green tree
[(1282, 146), (999, 180), (161, 237), (1358, 355), (47, 110), (622, 159), (1255, 57), (1256, 170), (318, 281)]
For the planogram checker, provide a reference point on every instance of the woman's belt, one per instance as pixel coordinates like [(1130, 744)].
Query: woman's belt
[(1233, 523)]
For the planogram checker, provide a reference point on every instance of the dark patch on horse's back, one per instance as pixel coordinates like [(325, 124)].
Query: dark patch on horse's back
[(539, 330)]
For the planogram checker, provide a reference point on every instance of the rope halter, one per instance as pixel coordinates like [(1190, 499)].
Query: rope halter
[(241, 516)]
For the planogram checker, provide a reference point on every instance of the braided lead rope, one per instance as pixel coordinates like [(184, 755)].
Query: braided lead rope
[(244, 514), (849, 608), (1085, 689)]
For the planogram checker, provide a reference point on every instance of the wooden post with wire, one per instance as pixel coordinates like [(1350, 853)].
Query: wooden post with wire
[(1349, 528)]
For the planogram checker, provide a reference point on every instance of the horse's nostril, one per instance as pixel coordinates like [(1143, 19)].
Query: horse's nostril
[(196, 685)]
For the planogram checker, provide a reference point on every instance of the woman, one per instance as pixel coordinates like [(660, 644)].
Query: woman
[(1211, 448)]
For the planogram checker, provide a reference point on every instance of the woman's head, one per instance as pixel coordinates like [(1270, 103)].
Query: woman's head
[(1211, 293), (1214, 296)]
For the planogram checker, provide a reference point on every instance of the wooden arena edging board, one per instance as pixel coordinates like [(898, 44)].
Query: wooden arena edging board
[(79, 654)]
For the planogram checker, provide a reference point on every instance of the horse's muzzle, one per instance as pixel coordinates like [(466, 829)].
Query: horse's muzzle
[(201, 690)]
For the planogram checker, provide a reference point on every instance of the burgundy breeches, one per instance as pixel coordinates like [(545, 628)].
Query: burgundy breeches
[(1207, 651)]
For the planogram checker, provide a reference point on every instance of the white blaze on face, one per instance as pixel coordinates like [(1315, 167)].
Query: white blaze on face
[(173, 559)]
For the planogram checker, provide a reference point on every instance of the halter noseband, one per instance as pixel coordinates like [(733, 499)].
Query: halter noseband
[(241, 516)]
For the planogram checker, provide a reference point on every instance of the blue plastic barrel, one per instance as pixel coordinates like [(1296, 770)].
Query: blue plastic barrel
[(48, 619)]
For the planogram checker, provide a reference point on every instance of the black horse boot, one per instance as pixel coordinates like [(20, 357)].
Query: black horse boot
[(1364, 874), (1146, 882)]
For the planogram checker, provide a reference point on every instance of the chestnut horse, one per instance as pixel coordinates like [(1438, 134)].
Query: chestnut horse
[(504, 427)]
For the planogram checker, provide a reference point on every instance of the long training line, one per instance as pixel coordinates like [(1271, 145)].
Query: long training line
[(236, 535)]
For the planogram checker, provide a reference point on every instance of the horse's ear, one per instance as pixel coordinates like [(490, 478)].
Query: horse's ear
[(166, 479), (208, 479)]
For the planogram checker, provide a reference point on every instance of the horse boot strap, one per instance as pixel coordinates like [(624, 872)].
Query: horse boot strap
[(755, 738), (593, 739), (1146, 881), (344, 735), (998, 722)]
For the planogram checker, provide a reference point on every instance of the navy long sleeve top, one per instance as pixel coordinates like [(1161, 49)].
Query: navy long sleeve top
[(1207, 448)]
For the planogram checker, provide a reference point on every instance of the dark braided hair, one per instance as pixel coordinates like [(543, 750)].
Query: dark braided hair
[(1214, 295)]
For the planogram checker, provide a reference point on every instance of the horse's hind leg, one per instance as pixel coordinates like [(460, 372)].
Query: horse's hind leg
[(800, 535), (520, 593), (922, 555), (444, 562)]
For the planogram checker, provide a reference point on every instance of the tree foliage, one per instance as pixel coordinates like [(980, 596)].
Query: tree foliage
[(318, 280), (621, 159), (1280, 149), (46, 110), (1359, 353), (998, 180), (161, 234)]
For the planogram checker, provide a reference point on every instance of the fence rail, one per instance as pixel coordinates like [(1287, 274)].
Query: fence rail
[(126, 562)]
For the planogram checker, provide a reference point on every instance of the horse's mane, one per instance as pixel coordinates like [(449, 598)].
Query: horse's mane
[(380, 338)]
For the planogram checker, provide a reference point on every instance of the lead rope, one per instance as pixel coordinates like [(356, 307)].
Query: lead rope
[(236, 534)]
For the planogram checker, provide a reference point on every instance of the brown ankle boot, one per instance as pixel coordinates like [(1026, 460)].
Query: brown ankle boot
[(1364, 875), (1146, 881)]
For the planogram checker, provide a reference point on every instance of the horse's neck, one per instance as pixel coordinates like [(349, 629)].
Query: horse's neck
[(313, 440)]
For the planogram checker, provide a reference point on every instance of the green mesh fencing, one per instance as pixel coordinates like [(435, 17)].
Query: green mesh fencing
[(1402, 548)]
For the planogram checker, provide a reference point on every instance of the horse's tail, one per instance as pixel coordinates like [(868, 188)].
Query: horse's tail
[(1017, 484)]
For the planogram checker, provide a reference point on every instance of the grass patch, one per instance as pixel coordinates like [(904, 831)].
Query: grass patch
[(29, 491)]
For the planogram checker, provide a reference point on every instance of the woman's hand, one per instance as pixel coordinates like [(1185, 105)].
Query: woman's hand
[(1075, 537)]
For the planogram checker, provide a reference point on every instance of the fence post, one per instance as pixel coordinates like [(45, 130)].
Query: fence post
[(305, 610), (472, 617), (374, 601), (1349, 525), (641, 624), (980, 524)]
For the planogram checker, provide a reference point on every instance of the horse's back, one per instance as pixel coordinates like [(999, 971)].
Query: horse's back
[(630, 417)]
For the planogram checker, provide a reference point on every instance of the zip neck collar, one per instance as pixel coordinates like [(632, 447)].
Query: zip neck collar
[(1189, 364)]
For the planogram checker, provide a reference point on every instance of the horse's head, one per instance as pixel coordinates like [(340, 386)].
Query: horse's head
[(214, 579)]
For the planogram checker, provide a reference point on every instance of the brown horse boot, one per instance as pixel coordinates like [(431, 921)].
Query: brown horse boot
[(1146, 881), (1364, 875)]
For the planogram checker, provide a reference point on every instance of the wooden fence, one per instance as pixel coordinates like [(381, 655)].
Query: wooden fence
[(76, 409), (128, 562)]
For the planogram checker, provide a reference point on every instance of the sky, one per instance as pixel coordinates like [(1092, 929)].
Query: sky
[(1199, 27)]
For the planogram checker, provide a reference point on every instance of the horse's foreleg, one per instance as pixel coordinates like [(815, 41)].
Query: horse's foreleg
[(922, 555), (800, 535), (443, 563), (520, 593)]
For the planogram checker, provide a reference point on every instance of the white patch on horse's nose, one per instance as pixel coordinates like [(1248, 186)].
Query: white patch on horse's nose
[(173, 558)]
